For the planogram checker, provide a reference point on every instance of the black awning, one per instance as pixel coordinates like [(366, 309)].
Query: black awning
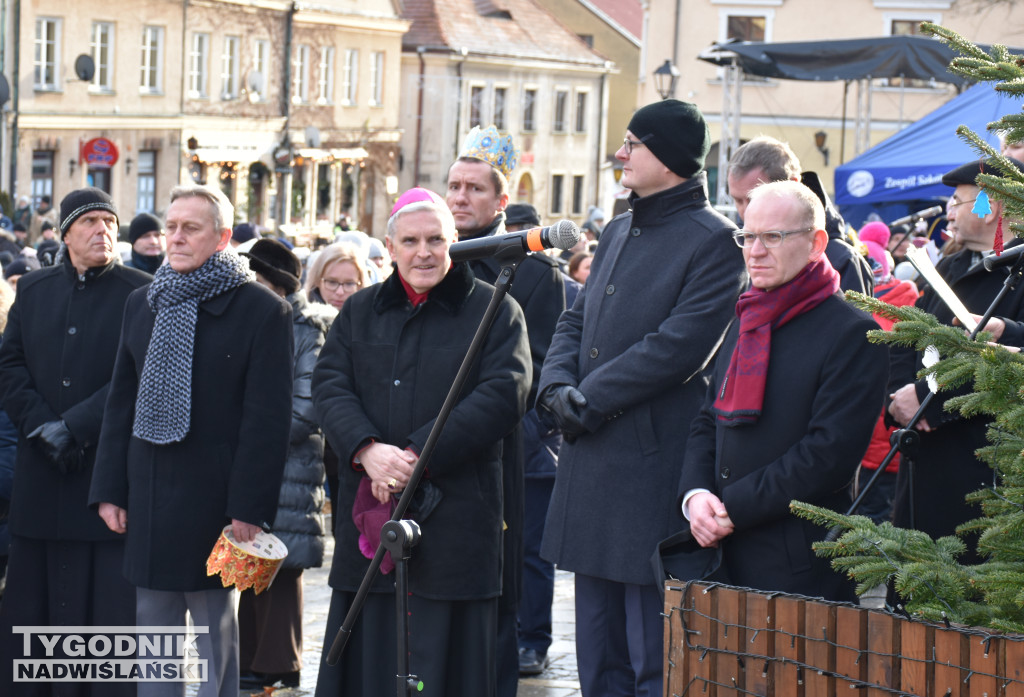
[(916, 57)]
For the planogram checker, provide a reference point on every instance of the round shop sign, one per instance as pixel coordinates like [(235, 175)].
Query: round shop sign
[(99, 152), (860, 183)]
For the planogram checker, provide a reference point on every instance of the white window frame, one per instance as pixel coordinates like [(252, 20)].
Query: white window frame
[(199, 66), (377, 78), (576, 115), (101, 48), (533, 108), (300, 75), (577, 210), (325, 76), (477, 89), (749, 9), (350, 77), (151, 76), (566, 111), (561, 194), (502, 89), (46, 57), (145, 198), (261, 64), (230, 61)]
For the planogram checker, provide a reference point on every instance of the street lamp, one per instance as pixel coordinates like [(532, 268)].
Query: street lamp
[(665, 79)]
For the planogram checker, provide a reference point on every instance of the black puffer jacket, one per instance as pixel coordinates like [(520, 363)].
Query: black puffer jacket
[(300, 521)]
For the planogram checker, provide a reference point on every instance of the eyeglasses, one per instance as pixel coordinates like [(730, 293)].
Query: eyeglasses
[(332, 285), (953, 203), (769, 238), (630, 144)]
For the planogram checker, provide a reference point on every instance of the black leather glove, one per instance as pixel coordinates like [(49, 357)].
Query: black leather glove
[(563, 402), (59, 446)]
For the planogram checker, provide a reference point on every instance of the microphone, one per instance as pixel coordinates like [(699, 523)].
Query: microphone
[(516, 245), (1008, 257), (911, 219)]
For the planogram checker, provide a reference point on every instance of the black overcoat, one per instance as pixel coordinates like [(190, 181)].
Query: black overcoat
[(383, 374), (824, 389), (661, 292), (179, 496), (55, 363), (946, 467)]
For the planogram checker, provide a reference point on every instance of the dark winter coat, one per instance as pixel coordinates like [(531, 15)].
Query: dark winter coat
[(180, 496), (300, 521), (823, 392), (383, 375), (854, 270), (946, 467), (661, 292), (539, 288), (55, 363)]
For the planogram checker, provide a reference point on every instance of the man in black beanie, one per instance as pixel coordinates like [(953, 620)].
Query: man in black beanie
[(622, 380), (146, 235), (56, 363)]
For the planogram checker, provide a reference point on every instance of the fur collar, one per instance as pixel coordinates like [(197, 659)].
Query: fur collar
[(450, 294)]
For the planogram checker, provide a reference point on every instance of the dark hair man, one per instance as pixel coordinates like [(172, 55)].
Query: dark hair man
[(477, 195), (55, 369), (146, 235), (196, 426), (621, 376), (782, 419), (765, 159)]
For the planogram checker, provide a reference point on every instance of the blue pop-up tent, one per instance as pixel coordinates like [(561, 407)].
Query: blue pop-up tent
[(909, 165)]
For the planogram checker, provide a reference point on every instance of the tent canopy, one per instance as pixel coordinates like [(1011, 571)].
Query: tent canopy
[(841, 59), (909, 165)]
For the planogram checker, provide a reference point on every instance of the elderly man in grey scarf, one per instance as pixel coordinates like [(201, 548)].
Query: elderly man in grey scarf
[(199, 412)]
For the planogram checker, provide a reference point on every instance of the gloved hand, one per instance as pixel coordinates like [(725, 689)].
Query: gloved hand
[(59, 446), (563, 402)]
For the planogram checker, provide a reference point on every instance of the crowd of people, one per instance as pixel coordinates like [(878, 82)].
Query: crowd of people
[(214, 380)]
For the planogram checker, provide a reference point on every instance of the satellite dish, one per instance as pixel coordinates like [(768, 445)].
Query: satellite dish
[(313, 136), (255, 81), (85, 67)]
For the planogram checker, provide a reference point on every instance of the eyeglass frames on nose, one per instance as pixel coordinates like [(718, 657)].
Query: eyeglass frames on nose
[(953, 202), (769, 238), (630, 144), (332, 285)]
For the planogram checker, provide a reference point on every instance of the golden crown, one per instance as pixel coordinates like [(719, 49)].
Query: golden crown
[(491, 147)]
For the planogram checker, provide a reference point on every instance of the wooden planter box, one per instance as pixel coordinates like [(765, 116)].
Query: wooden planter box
[(722, 641)]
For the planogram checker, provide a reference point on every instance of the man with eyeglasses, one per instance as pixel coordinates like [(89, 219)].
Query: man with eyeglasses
[(945, 468), (622, 380), (790, 409), (766, 159)]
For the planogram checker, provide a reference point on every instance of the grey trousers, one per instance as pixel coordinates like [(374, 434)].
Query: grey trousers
[(216, 609)]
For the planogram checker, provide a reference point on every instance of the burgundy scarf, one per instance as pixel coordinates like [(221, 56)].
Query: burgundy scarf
[(741, 395)]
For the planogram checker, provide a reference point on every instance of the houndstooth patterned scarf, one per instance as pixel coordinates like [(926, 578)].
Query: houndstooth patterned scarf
[(163, 408)]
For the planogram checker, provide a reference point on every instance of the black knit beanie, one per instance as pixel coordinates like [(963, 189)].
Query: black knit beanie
[(141, 224), (276, 263), (81, 201), (675, 132)]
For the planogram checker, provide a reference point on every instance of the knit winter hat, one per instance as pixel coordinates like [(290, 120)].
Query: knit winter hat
[(81, 201), (244, 232), (675, 132), (141, 224), (276, 263), (875, 237)]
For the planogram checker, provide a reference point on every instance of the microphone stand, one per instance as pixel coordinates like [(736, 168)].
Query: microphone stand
[(399, 536), (907, 440)]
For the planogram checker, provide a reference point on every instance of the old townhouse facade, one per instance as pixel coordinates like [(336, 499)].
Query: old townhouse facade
[(511, 64), (290, 108), (798, 111)]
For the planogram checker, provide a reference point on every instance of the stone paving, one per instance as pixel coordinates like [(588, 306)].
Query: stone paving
[(559, 680)]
